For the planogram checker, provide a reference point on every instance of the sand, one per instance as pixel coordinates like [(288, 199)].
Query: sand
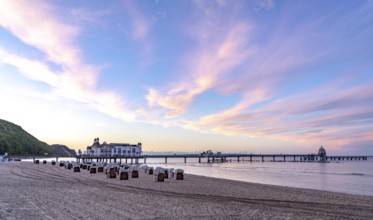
[(39, 191)]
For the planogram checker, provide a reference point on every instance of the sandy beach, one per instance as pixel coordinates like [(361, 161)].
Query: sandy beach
[(39, 191)]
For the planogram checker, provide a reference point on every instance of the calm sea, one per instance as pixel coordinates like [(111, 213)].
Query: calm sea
[(353, 177)]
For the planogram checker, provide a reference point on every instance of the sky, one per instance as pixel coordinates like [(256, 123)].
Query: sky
[(254, 76)]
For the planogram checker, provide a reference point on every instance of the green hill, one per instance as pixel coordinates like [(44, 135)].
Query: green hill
[(16, 141), (62, 150)]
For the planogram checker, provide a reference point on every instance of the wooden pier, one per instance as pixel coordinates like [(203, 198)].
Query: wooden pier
[(222, 158)]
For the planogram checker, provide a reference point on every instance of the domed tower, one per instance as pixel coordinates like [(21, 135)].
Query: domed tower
[(322, 154), (96, 142)]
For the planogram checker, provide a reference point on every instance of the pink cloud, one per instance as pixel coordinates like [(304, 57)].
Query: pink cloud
[(36, 24), (210, 65), (33, 23), (312, 118), (140, 25), (31, 69)]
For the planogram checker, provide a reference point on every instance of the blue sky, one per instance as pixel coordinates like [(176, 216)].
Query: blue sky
[(235, 76)]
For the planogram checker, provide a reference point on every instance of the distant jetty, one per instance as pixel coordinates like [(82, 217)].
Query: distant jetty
[(210, 157)]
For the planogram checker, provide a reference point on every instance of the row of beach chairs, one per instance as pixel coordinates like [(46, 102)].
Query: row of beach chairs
[(124, 171)]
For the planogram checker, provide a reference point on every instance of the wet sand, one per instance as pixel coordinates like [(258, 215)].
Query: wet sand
[(39, 191)]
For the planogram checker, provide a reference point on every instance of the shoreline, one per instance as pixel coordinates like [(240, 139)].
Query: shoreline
[(38, 191)]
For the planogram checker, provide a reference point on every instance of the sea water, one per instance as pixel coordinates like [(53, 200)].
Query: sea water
[(353, 177)]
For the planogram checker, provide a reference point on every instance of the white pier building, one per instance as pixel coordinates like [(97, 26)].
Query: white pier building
[(113, 149)]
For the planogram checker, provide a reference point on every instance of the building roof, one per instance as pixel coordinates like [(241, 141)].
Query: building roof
[(112, 145), (322, 150)]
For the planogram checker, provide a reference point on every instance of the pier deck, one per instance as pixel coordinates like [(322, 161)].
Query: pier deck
[(222, 158)]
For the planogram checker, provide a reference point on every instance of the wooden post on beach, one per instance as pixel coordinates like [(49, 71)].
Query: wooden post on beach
[(274, 159), (184, 159), (199, 160), (262, 158), (284, 159), (165, 160), (251, 158), (294, 158), (144, 159), (131, 161), (56, 159), (238, 159)]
